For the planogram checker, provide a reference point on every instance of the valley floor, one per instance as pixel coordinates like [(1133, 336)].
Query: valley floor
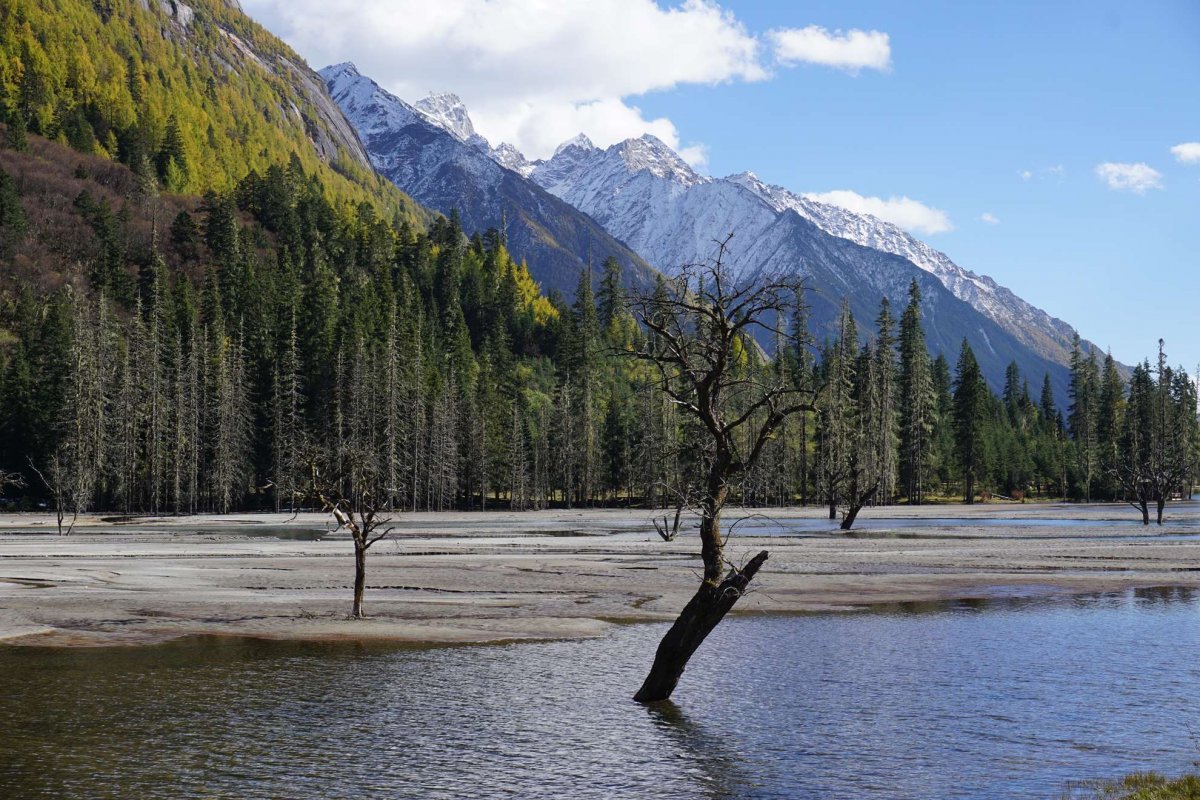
[(485, 577)]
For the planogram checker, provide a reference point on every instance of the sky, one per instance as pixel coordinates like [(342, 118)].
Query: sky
[(1054, 146)]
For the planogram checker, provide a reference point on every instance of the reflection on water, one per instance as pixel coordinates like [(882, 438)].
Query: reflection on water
[(973, 699)]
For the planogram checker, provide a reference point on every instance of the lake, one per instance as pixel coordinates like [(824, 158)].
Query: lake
[(972, 699)]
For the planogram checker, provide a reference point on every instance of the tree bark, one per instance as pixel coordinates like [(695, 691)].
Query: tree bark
[(698, 619), (360, 578), (1161, 503), (852, 512), (1145, 507)]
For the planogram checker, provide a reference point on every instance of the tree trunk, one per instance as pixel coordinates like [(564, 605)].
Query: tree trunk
[(698, 619), (852, 512), (1145, 512), (1161, 503), (360, 578)]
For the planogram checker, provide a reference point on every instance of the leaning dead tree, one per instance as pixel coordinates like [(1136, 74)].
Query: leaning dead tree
[(701, 328)]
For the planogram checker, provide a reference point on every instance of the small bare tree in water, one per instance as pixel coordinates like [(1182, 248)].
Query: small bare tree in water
[(701, 326)]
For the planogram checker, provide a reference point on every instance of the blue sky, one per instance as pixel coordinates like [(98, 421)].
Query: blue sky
[(1003, 108), (977, 94)]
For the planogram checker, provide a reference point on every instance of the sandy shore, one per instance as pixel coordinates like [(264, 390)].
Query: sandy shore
[(475, 577)]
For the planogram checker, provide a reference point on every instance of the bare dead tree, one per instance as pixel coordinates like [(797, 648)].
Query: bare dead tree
[(352, 495), (684, 499), (701, 327), (64, 488)]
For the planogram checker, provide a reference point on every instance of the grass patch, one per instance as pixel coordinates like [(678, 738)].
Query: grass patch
[(1142, 786)]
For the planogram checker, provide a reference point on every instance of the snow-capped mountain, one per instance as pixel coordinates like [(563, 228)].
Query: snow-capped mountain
[(448, 112), (643, 193), (432, 152), (580, 173), (588, 178), (647, 197), (1028, 323)]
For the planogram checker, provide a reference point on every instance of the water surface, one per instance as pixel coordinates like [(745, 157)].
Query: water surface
[(968, 700)]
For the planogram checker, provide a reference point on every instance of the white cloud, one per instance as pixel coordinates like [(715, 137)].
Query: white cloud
[(989, 218), (532, 72), (695, 154), (1136, 178), (1057, 171), (852, 51), (1187, 153), (912, 215)]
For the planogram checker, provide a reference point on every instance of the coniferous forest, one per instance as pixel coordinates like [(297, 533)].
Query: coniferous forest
[(173, 354), (197, 307)]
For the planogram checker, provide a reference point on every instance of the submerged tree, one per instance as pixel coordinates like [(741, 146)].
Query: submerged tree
[(700, 344)]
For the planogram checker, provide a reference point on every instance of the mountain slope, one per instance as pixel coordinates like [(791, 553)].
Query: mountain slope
[(582, 174), (197, 94), (1047, 335), (643, 193), (451, 169)]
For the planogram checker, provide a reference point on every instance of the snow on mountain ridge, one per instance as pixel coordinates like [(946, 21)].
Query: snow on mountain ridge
[(653, 155), (447, 174), (447, 111), (602, 181), (1028, 323), (580, 141)]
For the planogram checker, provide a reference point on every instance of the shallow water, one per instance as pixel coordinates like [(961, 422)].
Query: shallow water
[(968, 700), (872, 527)]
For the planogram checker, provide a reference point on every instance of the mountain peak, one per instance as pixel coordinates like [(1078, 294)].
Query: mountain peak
[(746, 178), (346, 68), (509, 157), (447, 111), (580, 140), (652, 154)]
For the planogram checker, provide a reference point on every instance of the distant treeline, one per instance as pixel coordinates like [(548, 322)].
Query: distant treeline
[(186, 356)]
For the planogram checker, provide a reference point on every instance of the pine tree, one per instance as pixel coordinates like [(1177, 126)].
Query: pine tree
[(1083, 415), (969, 404), (883, 406), (1110, 409), (835, 412), (13, 222), (917, 413)]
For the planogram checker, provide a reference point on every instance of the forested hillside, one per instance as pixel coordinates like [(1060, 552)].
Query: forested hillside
[(195, 96), (167, 353)]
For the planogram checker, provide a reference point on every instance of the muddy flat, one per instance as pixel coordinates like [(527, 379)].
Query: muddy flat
[(496, 576)]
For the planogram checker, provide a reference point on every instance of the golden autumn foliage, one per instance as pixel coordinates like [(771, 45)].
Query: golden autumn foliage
[(196, 95)]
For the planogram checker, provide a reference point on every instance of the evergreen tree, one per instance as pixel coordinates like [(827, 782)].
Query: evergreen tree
[(970, 395), (1082, 419), (917, 411), (12, 217)]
